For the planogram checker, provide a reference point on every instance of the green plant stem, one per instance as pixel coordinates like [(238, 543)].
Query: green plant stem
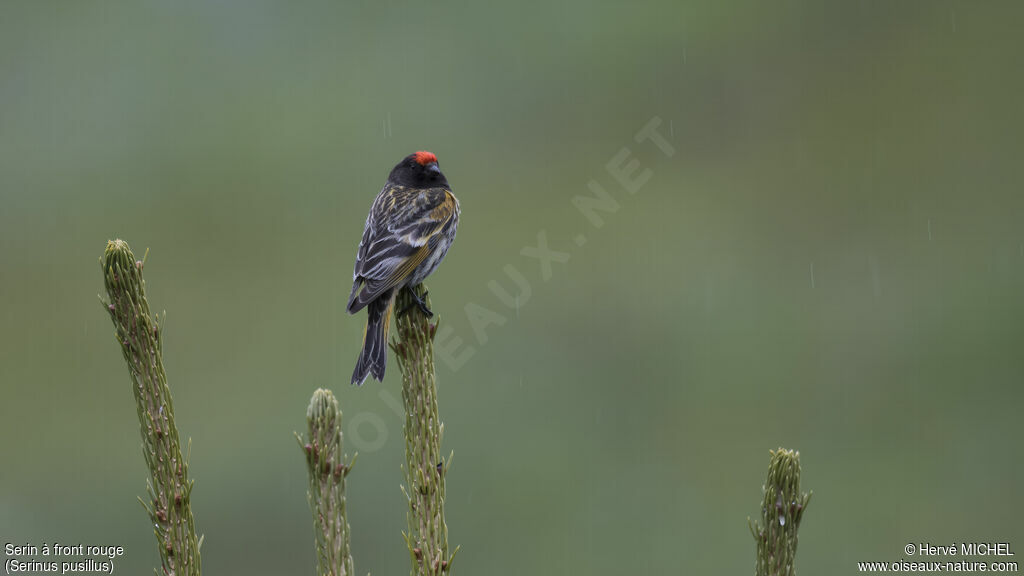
[(139, 334), (328, 468), (781, 512), (425, 468)]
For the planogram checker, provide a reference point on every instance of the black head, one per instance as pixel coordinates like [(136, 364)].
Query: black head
[(418, 170)]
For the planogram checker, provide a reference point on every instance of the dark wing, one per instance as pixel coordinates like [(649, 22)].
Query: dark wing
[(400, 233)]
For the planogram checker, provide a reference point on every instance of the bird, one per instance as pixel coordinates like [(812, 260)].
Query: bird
[(410, 227)]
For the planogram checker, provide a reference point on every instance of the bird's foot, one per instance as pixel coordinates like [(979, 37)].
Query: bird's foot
[(417, 303)]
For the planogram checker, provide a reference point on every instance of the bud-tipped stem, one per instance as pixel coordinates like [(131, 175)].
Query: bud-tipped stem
[(425, 466), (139, 334), (328, 468), (781, 512)]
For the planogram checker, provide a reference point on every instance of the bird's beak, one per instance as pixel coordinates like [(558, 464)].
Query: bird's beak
[(433, 168)]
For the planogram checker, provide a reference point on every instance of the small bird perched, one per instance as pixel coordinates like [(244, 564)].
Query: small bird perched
[(410, 227)]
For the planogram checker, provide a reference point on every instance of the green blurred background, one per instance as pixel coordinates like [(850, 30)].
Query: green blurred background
[(831, 261)]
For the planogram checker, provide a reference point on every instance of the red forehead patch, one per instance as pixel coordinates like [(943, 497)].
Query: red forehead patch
[(423, 157)]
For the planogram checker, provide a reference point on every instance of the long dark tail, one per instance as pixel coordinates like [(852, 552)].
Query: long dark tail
[(374, 357)]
